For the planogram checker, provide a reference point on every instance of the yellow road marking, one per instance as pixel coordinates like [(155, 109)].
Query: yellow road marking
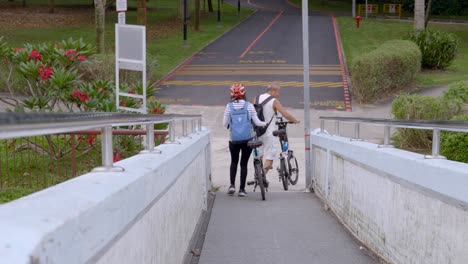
[(251, 83), (256, 72)]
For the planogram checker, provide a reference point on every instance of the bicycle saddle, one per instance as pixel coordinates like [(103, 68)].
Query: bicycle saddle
[(254, 143), (279, 132)]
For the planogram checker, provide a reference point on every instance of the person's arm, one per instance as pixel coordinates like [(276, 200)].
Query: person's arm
[(278, 107), (254, 117), (227, 119)]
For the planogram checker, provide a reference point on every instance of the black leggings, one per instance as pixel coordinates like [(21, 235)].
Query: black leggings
[(235, 150)]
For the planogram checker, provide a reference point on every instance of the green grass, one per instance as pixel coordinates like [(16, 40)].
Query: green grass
[(374, 32)]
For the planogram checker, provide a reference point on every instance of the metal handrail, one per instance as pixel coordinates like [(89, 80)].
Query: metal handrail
[(435, 125), (15, 125)]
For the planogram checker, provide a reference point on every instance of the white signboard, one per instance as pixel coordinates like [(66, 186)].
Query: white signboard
[(121, 17), (392, 8), (130, 54), (369, 8), (121, 5)]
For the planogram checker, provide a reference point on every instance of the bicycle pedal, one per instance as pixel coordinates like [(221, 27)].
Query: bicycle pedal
[(250, 182)]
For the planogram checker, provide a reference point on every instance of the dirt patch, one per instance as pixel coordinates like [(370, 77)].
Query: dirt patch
[(26, 18), (164, 28)]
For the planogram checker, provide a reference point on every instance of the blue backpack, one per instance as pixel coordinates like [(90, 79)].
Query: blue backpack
[(241, 126)]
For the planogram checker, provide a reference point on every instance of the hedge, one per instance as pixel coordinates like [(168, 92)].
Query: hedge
[(389, 68)]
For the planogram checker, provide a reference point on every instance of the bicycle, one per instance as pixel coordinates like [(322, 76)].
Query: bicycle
[(288, 171), (260, 179)]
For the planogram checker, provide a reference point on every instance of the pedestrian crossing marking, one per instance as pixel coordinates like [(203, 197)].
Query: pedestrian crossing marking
[(257, 69), (283, 84)]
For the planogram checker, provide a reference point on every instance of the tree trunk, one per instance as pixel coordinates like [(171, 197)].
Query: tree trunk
[(141, 12), (419, 14), (210, 6), (100, 16), (197, 15), (428, 13), (51, 6)]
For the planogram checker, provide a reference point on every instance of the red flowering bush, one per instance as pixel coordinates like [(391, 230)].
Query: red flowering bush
[(53, 78)]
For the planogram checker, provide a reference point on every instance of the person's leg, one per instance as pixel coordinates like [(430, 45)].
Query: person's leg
[(246, 152), (270, 152), (267, 165), (234, 149)]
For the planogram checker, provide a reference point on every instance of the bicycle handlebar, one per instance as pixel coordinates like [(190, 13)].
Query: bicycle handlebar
[(283, 122)]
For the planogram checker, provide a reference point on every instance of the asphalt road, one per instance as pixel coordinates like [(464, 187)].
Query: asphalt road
[(265, 48)]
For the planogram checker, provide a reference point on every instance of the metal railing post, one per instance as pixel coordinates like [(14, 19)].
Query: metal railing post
[(149, 147), (337, 128), (107, 152), (172, 131), (184, 128), (193, 125), (357, 132), (106, 144), (387, 135), (322, 126), (435, 145), (199, 124)]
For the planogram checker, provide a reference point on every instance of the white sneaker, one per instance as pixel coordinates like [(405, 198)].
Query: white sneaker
[(231, 190)]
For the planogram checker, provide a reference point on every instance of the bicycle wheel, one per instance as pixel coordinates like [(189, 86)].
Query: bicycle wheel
[(293, 169), (284, 174), (260, 178)]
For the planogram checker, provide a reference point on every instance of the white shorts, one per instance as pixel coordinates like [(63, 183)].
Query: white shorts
[(270, 146)]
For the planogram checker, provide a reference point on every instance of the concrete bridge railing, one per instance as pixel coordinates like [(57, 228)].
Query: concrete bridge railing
[(146, 213), (403, 206)]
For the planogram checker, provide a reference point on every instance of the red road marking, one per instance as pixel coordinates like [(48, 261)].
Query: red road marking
[(343, 72), (261, 35)]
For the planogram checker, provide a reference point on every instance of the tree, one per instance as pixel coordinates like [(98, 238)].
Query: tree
[(210, 6), (51, 6), (428, 12), (197, 15), (100, 16), (419, 14), (141, 12)]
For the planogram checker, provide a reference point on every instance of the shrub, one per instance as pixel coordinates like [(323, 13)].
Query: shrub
[(102, 67), (414, 107), (454, 145), (438, 48), (458, 90), (389, 68)]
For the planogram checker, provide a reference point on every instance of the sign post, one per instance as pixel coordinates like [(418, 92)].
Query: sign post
[(121, 8)]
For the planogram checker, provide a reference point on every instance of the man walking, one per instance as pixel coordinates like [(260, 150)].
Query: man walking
[(270, 109)]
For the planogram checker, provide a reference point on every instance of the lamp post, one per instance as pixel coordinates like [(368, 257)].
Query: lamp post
[(305, 48), (219, 13), (185, 23)]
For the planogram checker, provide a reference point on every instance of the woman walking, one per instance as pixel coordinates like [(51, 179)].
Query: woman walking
[(238, 115)]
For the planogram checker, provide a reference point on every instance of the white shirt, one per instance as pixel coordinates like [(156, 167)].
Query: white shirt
[(238, 104), (268, 113)]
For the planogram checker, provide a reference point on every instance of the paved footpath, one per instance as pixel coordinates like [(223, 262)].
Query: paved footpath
[(288, 228)]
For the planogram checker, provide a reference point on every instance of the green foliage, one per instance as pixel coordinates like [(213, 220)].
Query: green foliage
[(454, 145), (438, 48), (441, 7), (418, 107), (389, 68), (458, 90)]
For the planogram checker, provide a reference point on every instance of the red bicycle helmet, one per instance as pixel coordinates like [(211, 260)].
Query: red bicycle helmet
[(237, 91)]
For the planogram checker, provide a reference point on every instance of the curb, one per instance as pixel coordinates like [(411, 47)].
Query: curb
[(198, 238)]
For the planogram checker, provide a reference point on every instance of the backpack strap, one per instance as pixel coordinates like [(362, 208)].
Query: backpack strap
[(263, 104), (264, 101)]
